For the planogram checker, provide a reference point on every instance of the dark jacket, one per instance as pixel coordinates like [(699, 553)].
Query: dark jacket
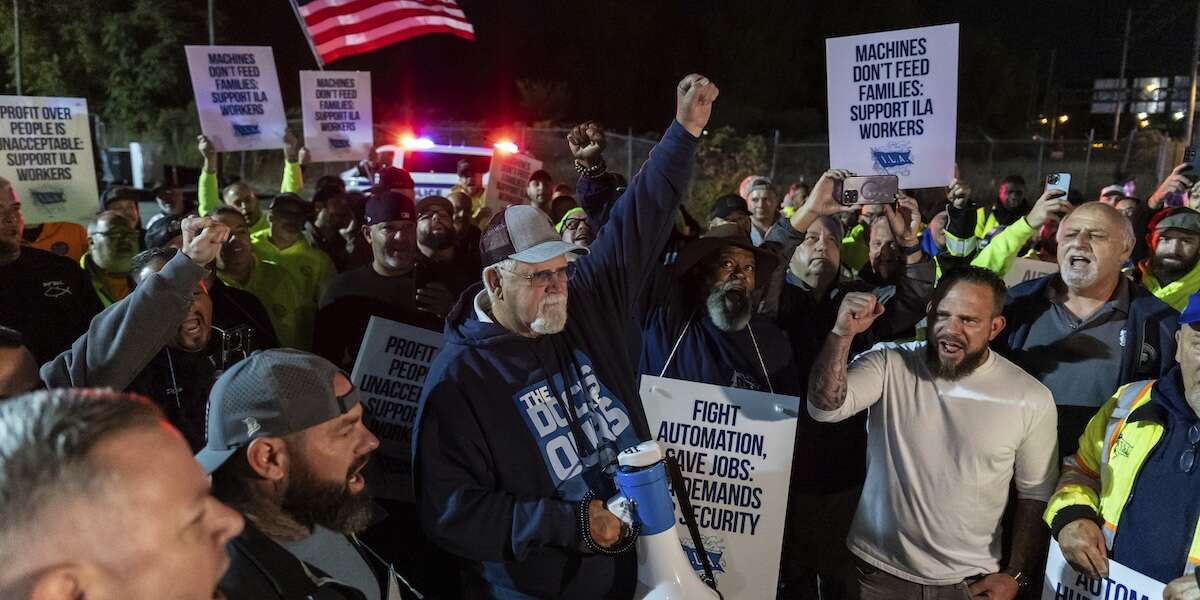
[(808, 319), (260, 569), (1147, 352), (501, 461), (1149, 328)]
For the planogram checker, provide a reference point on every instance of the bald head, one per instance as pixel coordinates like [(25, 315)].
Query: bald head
[(1093, 242), (241, 196)]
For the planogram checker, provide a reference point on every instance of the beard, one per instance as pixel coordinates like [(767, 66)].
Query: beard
[(729, 306), (943, 369), (313, 501), (551, 315), (439, 240), (1171, 267)]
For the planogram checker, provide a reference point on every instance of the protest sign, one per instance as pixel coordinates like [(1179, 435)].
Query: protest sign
[(237, 96), (1026, 269), (734, 448), (389, 373), (893, 104), (337, 114), (46, 146), (508, 177), (1065, 583)]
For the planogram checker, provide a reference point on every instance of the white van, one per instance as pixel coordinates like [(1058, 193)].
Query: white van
[(434, 167)]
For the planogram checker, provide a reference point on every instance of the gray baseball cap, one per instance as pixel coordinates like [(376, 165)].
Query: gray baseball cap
[(269, 394), (522, 232)]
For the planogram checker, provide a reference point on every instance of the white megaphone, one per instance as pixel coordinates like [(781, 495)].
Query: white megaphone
[(664, 573)]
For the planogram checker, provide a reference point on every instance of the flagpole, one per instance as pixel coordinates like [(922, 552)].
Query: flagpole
[(307, 37)]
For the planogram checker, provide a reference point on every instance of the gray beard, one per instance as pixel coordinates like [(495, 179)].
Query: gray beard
[(729, 307)]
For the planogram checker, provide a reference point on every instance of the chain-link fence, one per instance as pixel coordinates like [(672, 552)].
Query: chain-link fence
[(1092, 164), (1145, 157)]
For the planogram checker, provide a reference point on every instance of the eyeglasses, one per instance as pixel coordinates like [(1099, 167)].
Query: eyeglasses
[(547, 277), (1187, 460)]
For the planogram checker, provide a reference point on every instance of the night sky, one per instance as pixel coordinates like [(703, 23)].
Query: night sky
[(619, 60)]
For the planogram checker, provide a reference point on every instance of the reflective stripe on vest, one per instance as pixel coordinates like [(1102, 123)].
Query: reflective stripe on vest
[(1132, 396)]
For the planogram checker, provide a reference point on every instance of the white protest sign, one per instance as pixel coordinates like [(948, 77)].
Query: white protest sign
[(237, 96), (46, 152), (337, 114), (734, 448), (508, 177), (1025, 269), (893, 104), (389, 374), (1065, 583)]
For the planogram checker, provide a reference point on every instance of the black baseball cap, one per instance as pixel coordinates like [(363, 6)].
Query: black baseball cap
[(388, 205), (164, 230), (432, 202), (270, 394), (727, 204)]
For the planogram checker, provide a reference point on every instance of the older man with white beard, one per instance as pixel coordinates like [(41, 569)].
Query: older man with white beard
[(531, 398), (702, 324), (1087, 329)]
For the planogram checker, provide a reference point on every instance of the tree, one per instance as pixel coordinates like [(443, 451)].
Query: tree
[(723, 159), (125, 56)]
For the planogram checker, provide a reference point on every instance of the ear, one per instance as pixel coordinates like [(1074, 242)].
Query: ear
[(366, 233), (1179, 346), (268, 458), (63, 582), (494, 281), (998, 323)]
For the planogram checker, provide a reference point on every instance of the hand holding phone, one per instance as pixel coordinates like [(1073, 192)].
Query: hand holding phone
[(869, 189)]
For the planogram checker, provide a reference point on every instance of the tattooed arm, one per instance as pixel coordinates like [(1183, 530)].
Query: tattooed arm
[(828, 383)]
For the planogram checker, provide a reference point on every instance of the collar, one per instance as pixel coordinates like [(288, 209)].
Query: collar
[(482, 305), (1056, 293)]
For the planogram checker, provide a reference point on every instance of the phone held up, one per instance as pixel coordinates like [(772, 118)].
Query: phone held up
[(869, 189), (1059, 181)]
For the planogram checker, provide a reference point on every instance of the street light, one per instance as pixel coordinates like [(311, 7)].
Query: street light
[(1177, 115), (1144, 123), (1063, 118), (1043, 120), (1142, 116)]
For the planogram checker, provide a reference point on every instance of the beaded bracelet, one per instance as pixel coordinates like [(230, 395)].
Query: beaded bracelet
[(593, 171), (585, 531)]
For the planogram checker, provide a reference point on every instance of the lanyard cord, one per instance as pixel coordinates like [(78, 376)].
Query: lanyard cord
[(753, 340)]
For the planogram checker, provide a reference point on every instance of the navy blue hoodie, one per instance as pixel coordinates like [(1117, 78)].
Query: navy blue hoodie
[(501, 459)]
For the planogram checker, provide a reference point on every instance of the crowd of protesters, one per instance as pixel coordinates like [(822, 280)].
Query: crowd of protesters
[(953, 425)]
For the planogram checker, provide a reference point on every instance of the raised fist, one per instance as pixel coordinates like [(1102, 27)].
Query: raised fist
[(206, 147), (856, 314), (202, 239), (587, 142), (694, 97), (291, 146)]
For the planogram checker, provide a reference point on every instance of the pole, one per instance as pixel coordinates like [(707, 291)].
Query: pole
[(16, 41), (307, 37), (212, 26), (1124, 88), (774, 155), (1087, 162), (1191, 119)]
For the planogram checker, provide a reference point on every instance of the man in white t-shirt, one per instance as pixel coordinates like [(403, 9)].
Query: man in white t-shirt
[(950, 426)]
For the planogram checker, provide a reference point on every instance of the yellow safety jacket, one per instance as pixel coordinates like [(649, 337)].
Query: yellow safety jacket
[(1112, 450)]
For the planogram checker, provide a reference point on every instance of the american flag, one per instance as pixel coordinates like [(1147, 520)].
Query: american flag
[(340, 28)]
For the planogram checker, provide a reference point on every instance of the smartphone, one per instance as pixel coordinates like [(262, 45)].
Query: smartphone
[(869, 189), (1059, 181), (1191, 156)]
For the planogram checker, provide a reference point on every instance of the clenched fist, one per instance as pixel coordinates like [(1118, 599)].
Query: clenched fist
[(694, 98), (856, 314), (202, 239), (587, 142)]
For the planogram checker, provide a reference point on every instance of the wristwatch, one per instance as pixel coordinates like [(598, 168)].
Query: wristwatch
[(1021, 579)]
